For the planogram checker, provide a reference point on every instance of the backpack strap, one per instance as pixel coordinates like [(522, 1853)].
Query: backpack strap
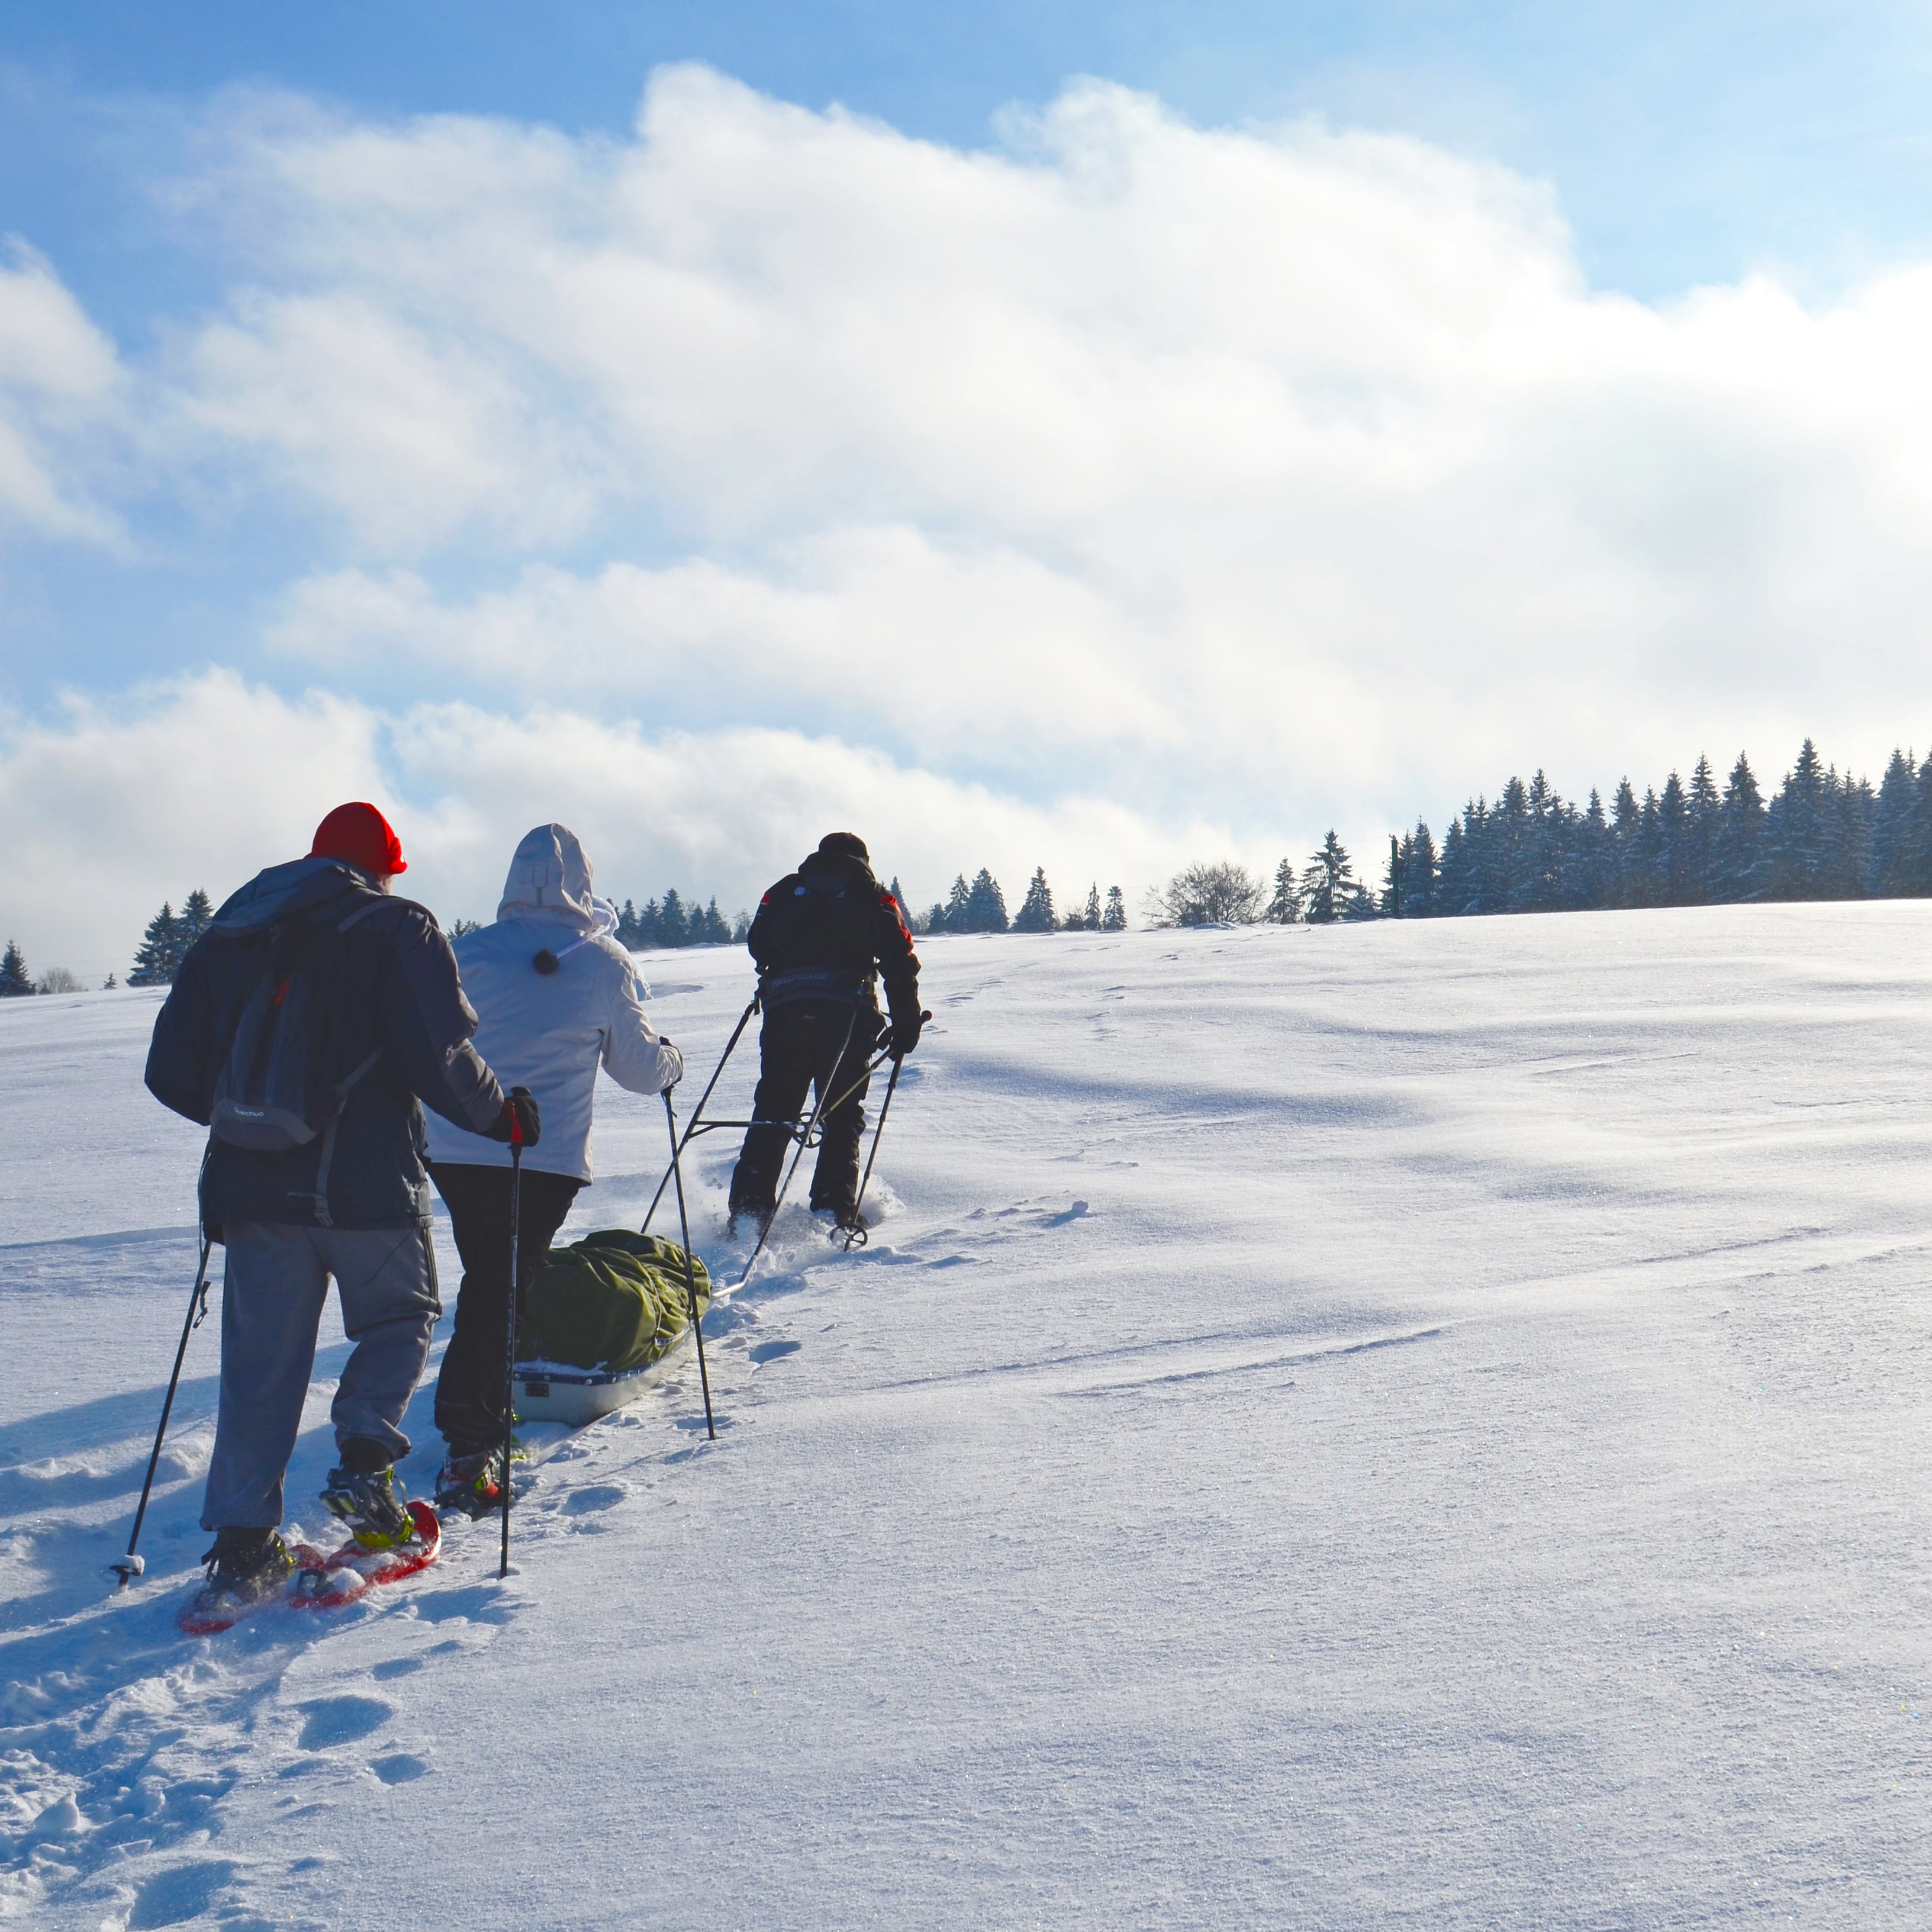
[(342, 1086)]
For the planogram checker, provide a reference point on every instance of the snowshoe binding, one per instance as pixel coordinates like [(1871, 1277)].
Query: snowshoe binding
[(246, 1569), (472, 1482), (371, 1503)]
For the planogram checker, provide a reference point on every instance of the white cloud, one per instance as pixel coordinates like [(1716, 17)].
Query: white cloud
[(58, 377), (1183, 488), (1293, 475), (204, 781)]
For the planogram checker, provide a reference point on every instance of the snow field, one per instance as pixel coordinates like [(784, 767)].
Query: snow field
[(1404, 1425)]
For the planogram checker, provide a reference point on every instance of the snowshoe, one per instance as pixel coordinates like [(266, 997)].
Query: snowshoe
[(247, 1568), (371, 1502), (472, 1482), (328, 1583)]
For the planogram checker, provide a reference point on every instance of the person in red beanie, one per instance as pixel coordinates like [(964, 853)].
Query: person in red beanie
[(306, 1029), (361, 834)]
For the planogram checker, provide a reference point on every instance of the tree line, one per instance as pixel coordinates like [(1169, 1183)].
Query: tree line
[(981, 907), (1821, 835)]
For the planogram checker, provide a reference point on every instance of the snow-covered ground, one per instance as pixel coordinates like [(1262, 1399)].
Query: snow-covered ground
[(1421, 1425)]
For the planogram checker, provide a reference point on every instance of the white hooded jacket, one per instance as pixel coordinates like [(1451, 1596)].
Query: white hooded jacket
[(550, 1031)]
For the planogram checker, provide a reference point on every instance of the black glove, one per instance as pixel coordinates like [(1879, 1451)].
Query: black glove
[(906, 1031), (521, 1119)]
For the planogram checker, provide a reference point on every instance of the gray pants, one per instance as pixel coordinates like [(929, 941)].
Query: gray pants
[(271, 1297)]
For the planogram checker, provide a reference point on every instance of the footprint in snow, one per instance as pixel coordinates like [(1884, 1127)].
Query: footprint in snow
[(341, 1720), (175, 1897), (774, 1352), (402, 1769), (598, 1496)]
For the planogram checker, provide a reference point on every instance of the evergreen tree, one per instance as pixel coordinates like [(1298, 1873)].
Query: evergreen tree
[(463, 927), (1284, 908), (1743, 864), (1706, 813), (1677, 881), (905, 910), (1328, 888), (1626, 831), (1035, 912), (108, 984), (673, 925), (160, 950), (958, 906), (1090, 917), (986, 905), (196, 915), (1114, 919), (1798, 828), (1892, 825), (935, 918), (741, 928), (710, 923), (15, 980)]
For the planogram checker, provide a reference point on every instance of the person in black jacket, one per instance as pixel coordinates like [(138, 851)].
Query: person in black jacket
[(384, 1026), (824, 936)]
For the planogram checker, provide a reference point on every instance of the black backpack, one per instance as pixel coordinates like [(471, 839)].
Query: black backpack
[(281, 1082)]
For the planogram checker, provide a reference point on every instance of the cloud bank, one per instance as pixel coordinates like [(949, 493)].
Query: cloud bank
[(1186, 489)]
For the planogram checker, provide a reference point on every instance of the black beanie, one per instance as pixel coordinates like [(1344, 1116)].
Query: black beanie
[(844, 845)]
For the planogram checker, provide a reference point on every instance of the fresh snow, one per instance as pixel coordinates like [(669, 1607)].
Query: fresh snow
[(1410, 1425)]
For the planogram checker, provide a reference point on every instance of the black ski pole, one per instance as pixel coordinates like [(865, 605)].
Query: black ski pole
[(690, 1274), (510, 1328), (856, 1236), (804, 1140), (691, 1127), (130, 1566)]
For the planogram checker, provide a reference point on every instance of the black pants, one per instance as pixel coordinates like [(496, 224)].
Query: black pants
[(469, 1391), (798, 1051)]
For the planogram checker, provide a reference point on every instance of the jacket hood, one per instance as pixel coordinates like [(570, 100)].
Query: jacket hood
[(282, 890), (835, 864), (549, 879)]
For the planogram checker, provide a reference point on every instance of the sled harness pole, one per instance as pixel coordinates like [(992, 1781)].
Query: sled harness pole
[(130, 1566), (744, 1020), (510, 1327), (804, 1140), (690, 1274)]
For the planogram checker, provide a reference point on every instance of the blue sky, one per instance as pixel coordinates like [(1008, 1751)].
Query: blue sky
[(1441, 389)]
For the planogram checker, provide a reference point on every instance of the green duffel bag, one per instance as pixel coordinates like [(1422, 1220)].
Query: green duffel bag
[(613, 1300)]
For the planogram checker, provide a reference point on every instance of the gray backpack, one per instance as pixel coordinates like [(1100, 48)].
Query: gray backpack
[(283, 1083)]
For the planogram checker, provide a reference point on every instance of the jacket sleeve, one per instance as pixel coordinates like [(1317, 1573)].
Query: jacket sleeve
[(898, 963), (758, 941), (183, 1043), (635, 1056), (427, 1025)]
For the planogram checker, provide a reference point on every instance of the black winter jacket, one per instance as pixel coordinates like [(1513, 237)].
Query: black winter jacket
[(824, 931), (404, 997)]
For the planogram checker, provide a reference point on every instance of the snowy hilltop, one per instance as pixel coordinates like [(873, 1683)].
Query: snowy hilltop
[(1418, 1422)]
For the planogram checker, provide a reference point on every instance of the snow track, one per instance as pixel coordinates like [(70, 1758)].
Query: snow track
[(1417, 1426)]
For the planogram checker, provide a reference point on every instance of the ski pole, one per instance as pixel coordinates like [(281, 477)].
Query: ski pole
[(856, 1236), (510, 1327), (804, 1140), (691, 1128), (130, 1566), (690, 1274)]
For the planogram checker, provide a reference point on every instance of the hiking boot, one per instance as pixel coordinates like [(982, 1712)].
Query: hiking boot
[(751, 1221), (472, 1481), (246, 1567), (372, 1503), (843, 1224)]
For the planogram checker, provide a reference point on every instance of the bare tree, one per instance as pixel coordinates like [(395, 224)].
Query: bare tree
[(1220, 894), (58, 980)]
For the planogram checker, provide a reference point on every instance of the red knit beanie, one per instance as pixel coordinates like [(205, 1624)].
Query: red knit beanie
[(362, 836)]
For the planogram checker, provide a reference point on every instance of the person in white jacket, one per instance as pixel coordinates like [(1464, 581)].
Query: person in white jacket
[(556, 997)]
